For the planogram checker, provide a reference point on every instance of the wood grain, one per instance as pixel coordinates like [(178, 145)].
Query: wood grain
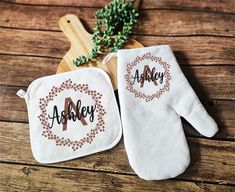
[(22, 70), (201, 34), (210, 160), (203, 79), (225, 6), (209, 82), (152, 22), (188, 50), (13, 108), (34, 178)]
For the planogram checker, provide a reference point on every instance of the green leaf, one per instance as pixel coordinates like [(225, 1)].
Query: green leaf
[(117, 18)]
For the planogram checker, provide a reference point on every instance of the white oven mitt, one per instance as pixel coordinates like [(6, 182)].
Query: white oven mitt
[(153, 94), (71, 115)]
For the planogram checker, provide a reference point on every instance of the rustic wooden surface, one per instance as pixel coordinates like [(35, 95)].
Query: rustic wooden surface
[(202, 34)]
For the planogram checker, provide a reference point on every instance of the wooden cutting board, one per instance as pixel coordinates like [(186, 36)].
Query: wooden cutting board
[(81, 44)]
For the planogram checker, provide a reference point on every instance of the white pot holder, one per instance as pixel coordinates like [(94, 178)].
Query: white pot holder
[(71, 115)]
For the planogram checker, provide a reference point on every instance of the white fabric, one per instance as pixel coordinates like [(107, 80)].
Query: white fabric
[(153, 134), (87, 93)]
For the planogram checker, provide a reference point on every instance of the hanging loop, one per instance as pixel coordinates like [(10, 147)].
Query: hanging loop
[(108, 57), (21, 93)]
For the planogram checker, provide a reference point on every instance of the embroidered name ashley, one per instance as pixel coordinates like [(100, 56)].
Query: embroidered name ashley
[(148, 75), (67, 114)]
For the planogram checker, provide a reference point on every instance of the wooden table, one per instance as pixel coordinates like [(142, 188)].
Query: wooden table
[(31, 45)]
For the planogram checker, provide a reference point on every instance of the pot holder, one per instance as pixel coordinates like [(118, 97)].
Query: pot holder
[(71, 115), (153, 94)]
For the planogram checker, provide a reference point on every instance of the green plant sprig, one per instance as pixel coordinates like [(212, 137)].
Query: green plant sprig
[(114, 25)]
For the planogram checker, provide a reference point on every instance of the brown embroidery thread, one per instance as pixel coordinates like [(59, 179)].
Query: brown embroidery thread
[(135, 62), (67, 100), (61, 141), (147, 70)]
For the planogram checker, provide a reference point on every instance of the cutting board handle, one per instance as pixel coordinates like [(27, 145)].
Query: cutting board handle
[(73, 28), (81, 44)]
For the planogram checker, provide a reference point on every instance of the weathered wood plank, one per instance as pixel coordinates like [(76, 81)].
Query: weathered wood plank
[(188, 50), (38, 43), (211, 160), (151, 22), (215, 82), (221, 111), (22, 70), (209, 81), (34, 178), (13, 108), (225, 6), (196, 50)]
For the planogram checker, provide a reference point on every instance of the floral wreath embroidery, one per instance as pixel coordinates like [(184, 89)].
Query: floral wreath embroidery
[(83, 88), (137, 60)]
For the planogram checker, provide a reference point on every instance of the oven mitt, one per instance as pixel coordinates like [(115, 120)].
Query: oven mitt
[(71, 115), (153, 94)]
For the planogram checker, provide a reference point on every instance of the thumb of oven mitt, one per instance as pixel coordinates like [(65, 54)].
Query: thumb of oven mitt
[(153, 94)]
